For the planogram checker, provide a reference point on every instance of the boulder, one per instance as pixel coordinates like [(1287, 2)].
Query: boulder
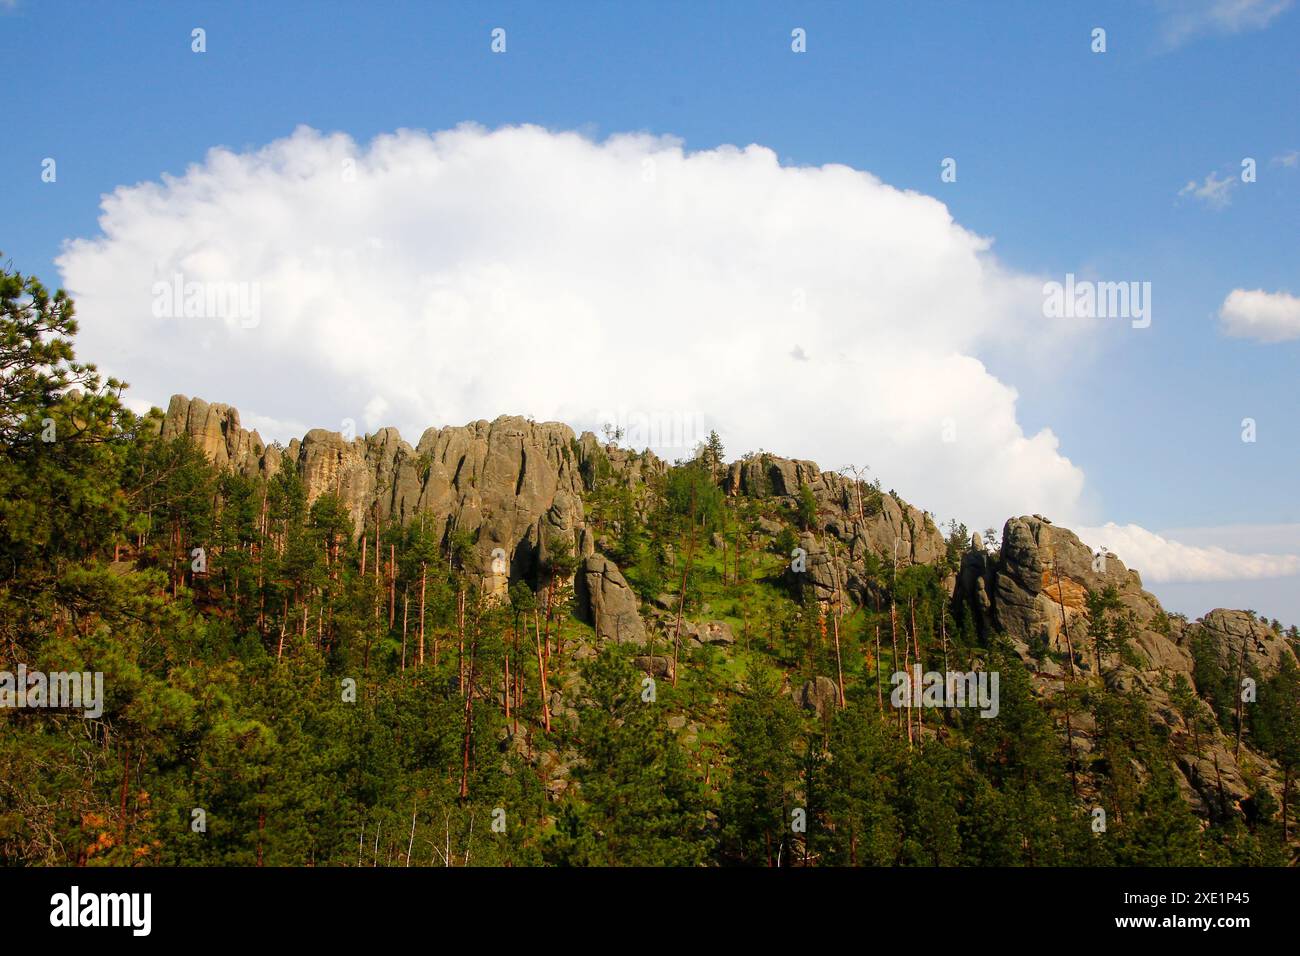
[(819, 695), (656, 665), (608, 603), (708, 632), (715, 632), (665, 602)]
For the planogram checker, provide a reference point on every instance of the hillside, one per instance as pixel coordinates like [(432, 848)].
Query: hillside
[(511, 644)]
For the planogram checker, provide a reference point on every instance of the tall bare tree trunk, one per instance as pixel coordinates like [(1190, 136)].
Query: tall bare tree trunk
[(541, 668), (1241, 669), (916, 646), (744, 594), (261, 569), (284, 620), (546, 630), (839, 664), (893, 639), (411, 843), (424, 575), (378, 596), (1286, 793), (406, 610), (519, 681), (460, 638), (1065, 626), (911, 691), (469, 717), (943, 636), (126, 776), (880, 694)]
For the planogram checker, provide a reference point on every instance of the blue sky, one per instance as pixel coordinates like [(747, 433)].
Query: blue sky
[(1069, 160)]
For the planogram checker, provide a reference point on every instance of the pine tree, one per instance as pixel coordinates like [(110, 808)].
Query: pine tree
[(641, 805), (757, 799)]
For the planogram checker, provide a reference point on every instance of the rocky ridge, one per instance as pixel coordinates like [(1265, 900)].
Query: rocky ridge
[(518, 485)]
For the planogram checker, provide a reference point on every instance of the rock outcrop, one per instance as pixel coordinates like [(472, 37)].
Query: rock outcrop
[(599, 460), (512, 482), (656, 665), (717, 633), (611, 605), (855, 512), (854, 522), (1237, 637), (1035, 591), (216, 430)]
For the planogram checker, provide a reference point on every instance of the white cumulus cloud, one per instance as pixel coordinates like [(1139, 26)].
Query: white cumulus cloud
[(439, 278), (1161, 559), (1256, 314)]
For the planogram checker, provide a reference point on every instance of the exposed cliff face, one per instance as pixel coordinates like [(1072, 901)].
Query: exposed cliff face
[(518, 485), (854, 520), (216, 430), (515, 482), (1241, 644), (1037, 587), (1035, 592)]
